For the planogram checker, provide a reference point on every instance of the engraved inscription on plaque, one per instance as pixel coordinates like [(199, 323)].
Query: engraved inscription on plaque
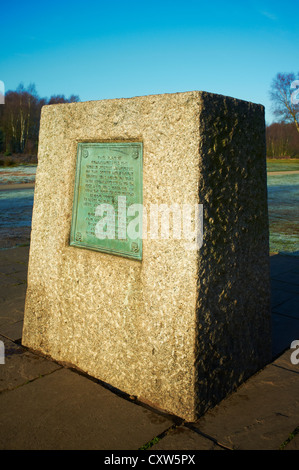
[(107, 208)]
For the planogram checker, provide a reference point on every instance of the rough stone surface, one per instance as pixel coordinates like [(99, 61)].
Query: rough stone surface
[(182, 328), (233, 308)]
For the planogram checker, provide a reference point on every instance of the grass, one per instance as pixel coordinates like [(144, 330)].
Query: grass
[(149, 444), (290, 438), (283, 160), (282, 164)]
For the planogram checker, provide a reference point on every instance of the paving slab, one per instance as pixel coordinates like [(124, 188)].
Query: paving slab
[(284, 330), (184, 438), (293, 444), (18, 255), (261, 413), (22, 366), (67, 411), (12, 330), (281, 263), (290, 276), (13, 281), (284, 286), (289, 307), (279, 296)]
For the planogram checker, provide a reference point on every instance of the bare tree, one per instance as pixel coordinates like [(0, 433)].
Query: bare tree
[(284, 107), (20, 118), (21, 109), (57, 99)]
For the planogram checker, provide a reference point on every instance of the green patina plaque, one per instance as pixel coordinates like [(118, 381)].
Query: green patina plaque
[(107, 207)]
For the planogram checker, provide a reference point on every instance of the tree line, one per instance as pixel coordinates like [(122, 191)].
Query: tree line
[(282, 140), (20, 119), (283, 136)]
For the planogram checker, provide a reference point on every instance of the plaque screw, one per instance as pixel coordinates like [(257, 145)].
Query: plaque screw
[(134, 247)]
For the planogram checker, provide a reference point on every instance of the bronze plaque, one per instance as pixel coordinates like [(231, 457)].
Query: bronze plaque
[(107, 207)]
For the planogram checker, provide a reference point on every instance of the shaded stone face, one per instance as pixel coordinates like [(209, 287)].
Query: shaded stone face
[(179, 327)]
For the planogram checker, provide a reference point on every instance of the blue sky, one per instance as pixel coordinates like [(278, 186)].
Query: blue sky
[(119, 49)]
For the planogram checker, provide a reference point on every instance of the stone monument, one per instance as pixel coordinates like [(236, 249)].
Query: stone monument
[(176, 323)]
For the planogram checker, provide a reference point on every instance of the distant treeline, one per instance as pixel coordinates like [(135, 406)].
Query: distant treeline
[(20, 118), (282, 140)]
